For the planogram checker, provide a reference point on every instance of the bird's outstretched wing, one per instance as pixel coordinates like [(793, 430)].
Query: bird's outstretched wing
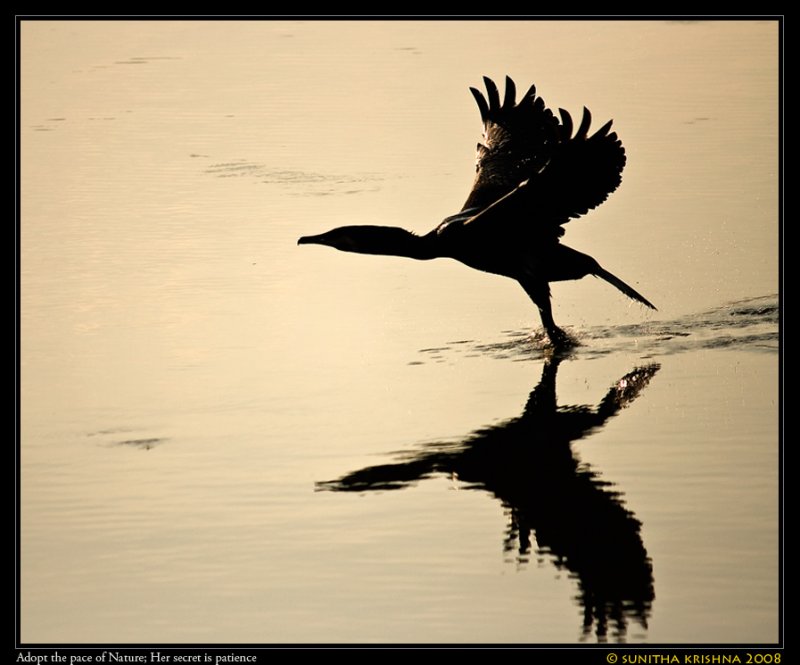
[(517, 141), (556, 175)]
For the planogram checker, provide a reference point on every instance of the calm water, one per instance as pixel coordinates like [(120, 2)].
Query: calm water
[(229, 438)]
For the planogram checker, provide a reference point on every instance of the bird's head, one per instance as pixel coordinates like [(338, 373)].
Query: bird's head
[(345, 238)]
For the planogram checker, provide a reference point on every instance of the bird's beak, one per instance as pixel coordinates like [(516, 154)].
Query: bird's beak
[(321, 239)]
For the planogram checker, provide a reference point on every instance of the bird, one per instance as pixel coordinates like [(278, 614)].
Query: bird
[(534, 172)]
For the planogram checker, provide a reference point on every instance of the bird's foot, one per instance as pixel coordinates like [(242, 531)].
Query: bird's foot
[(554, 342), (560, 340)]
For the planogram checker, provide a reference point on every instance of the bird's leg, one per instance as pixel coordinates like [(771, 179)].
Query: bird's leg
[(540, 294), (558, 338)]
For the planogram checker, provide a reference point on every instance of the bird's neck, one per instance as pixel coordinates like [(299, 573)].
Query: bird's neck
[(393, 241)]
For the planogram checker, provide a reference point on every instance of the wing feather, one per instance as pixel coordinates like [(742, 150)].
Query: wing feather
[(492, 93)]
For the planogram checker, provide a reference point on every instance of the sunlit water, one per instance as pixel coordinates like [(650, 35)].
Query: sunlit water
[(229, 438)]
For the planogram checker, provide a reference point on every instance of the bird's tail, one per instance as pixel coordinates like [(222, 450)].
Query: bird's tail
[(622, 286)]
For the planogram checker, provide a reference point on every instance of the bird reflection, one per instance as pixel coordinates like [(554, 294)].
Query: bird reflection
[(576, 517)]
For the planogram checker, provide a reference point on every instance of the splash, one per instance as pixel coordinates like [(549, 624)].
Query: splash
[(750, 324)]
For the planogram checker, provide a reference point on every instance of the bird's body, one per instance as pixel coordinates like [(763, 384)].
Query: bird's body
[(533, 176)]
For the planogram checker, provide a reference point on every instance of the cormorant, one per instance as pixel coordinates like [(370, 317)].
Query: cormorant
[(533, 176)]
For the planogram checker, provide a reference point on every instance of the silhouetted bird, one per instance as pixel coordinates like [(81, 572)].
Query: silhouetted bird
[(533, 176)]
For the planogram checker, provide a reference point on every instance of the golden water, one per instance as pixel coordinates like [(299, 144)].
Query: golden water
[(189, 375)]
